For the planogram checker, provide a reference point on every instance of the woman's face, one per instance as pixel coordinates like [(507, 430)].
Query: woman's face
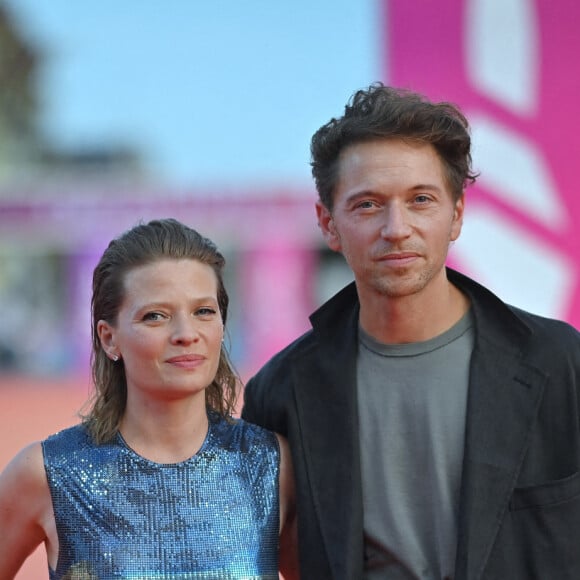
[(169, 329)]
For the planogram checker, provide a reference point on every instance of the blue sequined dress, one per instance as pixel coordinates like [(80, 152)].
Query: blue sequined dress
[(213, 516)]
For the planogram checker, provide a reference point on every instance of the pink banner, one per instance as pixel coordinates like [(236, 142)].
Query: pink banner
[(276, 281), (511, 66)]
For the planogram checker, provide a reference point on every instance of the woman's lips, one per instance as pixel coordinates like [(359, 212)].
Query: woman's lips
[(186, 360)]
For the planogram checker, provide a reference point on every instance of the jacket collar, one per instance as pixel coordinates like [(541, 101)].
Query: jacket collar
[(342, 308), (506, 328)]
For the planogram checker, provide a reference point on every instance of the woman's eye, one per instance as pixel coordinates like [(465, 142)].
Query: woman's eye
[(206, 311)]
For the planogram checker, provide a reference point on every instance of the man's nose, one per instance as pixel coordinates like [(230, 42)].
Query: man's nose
[(395, 223)]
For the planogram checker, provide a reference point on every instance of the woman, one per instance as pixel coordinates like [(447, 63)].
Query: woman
[(157, 481)]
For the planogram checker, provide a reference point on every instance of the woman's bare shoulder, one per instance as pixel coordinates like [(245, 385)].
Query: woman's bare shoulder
[(27, 467)]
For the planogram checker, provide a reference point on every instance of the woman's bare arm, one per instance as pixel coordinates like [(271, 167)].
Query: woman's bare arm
[(25, 510)]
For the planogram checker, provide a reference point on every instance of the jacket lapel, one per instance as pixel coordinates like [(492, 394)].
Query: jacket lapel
[(325, 389), (504, 397)]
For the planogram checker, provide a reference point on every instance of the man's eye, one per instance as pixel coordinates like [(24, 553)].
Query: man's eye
[(367, 204), (153, 316)]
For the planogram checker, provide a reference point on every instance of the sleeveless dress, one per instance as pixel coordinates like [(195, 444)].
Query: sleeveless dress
[(119, 515)]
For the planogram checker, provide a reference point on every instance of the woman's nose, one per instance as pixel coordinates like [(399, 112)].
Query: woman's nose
[(185, 331)]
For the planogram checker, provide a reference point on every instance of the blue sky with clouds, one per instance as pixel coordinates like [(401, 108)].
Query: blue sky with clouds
[(219, 92)]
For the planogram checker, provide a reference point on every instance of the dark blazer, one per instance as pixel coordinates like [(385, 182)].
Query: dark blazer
[(520, 495)]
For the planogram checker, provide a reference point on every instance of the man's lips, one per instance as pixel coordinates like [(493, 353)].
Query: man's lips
[(398, 257)]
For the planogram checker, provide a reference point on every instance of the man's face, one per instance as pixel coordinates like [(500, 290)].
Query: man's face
[(393, 216)]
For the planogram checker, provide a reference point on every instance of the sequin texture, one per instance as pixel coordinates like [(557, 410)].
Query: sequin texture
[(213, 516)]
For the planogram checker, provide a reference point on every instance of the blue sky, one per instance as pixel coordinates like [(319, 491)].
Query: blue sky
[(219, 92)]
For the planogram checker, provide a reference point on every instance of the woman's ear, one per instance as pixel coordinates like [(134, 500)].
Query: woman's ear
[(106, 334)]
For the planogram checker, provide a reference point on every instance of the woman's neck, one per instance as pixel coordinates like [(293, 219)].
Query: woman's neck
[(165, 432)]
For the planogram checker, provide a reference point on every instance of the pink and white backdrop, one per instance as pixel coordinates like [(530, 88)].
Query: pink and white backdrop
[(513, 68)]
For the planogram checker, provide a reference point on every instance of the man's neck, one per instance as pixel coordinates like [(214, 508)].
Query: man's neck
[(412, 318)]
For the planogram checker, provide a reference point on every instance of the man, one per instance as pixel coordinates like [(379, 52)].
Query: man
[(434, 429)]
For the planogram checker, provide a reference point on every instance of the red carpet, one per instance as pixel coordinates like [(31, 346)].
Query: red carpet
[(30, 410)]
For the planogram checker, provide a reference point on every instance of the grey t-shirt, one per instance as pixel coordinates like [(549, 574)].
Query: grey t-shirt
[(412, 404)]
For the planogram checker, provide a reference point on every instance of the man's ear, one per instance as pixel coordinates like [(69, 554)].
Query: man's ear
[(327, 226), (458, 217)]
